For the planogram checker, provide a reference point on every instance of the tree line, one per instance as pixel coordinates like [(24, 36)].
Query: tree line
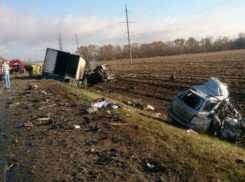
[(160, 48)]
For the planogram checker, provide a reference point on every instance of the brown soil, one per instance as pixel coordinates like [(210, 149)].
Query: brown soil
[(53, 151), (147, 80)]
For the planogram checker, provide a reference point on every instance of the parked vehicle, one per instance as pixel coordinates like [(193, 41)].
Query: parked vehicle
[(71, 68), (206, 109), (16, 65)]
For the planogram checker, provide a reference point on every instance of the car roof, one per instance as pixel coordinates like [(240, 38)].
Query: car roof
[(213, 87)]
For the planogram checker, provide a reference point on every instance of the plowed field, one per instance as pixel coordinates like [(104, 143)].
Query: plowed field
[(147, 80)]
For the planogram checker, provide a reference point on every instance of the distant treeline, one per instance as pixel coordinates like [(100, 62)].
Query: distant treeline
[(159, 48)]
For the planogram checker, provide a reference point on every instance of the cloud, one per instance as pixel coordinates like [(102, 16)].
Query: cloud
[(25, 36), (224, 23)]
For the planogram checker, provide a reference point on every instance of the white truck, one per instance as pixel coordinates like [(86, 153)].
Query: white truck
[(71, 68)]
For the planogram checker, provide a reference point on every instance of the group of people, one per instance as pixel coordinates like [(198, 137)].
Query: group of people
[(5, 72)]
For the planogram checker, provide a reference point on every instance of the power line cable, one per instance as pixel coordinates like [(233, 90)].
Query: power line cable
[(186, 20), (154, 7), (193, 25), (204, 8)]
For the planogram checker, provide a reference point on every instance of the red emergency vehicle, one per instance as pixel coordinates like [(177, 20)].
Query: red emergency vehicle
[(16, 65)]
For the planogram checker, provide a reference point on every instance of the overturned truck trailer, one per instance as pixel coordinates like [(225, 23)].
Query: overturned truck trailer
[(63, 66)]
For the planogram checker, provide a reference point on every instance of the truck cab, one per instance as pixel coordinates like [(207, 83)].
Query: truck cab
[(16, 65)]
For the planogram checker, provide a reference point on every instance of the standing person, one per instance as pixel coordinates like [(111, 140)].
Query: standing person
[(5, 70)]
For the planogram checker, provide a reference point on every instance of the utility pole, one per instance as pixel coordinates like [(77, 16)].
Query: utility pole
[(60, 43), (78, 52), (77, 42), (129, 45)]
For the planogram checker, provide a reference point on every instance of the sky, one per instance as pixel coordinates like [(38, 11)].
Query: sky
[(29, 27)]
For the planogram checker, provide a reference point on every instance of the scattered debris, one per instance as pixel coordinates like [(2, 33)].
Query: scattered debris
[(153, 166), (43, 119), (92, 110), (102, 104), (43, 92), (139, 105), (13, 104), (172, 78), (11, 166), (149, 107), (48, 106), (108, 112), (118, 124), (114, 107), (75, 126), (191, 131), (241, 161), (158, 114), (29, 124), (32, 87)]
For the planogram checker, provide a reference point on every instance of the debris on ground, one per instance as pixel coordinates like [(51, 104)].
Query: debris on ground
[(13, 104), (29, 124), (48, 106), (75, 126), (102, 104), (32, 87), (191, 131), (92, 109), (158, 114), (241, 161), (90, 139), (114, 107), (172, 78), (149, 107), (153, 166)]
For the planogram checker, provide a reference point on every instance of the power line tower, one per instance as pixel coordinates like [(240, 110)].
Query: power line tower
[(77, 42), (78, 52), (60, 43), (128, 32)]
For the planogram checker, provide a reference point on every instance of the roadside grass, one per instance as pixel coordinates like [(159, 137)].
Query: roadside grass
[(189, 156)]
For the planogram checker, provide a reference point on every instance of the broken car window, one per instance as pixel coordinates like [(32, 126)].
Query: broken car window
[(209, 106), (192, 100)]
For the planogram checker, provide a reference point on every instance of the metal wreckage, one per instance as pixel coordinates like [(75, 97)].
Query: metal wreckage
[(73, 69), (207, 109)]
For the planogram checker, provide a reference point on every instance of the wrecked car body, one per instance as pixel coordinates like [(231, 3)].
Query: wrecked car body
[(101, 73), (206, 109)]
